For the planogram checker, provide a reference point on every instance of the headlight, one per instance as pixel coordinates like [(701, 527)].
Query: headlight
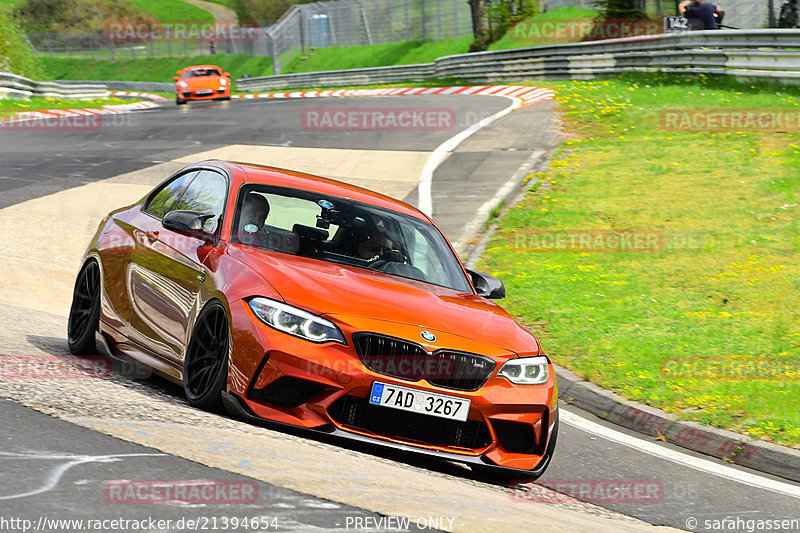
[(295, 321), (223, 81), (526, 370), (182, 84)]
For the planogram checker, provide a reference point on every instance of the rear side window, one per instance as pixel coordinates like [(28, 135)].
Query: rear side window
[(206, 193), (162, 201)]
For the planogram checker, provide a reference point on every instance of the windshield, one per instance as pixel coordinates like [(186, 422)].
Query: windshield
[(330, 228), (200, 73)]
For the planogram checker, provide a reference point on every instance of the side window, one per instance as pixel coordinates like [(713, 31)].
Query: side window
[(161, 203), (206, 193)]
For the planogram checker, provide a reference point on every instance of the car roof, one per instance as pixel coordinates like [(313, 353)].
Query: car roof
[(300, 180), (203, 67)]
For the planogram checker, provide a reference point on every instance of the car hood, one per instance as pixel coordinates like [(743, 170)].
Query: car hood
[(338, 290), (206, 82)]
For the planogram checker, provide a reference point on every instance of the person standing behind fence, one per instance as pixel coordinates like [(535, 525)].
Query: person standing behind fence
[(684, 5), (704, 12)]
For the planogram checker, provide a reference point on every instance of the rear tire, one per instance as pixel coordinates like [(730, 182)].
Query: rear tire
[(205, 368), (84, 313)]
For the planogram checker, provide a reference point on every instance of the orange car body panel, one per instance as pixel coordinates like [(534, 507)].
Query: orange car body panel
[(355, 299), (209, 87)]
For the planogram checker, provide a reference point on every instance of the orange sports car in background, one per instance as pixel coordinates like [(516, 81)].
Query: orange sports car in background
[(306, 301), (202, 82)]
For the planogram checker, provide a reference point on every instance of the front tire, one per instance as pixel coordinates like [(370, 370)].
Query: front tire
[(178, 101), (84, 314), (205, 368)]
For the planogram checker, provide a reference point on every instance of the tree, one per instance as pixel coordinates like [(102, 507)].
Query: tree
[(621, 9), (480, 25)]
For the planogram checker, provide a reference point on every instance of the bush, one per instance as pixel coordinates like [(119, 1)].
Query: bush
[(16, 55), (74, 16)]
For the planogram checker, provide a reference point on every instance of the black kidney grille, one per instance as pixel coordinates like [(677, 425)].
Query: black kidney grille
[(407, 360), (358, 413)]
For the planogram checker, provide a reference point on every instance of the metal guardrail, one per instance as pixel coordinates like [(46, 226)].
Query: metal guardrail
[(12, 85), (362, 76), (751, 54), (127, 85)]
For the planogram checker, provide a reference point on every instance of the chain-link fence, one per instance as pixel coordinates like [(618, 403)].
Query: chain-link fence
[(367, 22), (742, 14), (306, 26), (324, 24)]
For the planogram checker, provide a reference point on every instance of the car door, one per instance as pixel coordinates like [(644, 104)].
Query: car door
[(165, 274)]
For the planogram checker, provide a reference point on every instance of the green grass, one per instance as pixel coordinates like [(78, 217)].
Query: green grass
[(15, 54), (9, 107), (173, 10), (406, 53), (226, 3), (720, 289), (514, 39), (162, 69)]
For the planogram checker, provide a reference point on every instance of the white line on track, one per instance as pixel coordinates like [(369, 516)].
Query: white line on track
[(425, 202), (703, 465)]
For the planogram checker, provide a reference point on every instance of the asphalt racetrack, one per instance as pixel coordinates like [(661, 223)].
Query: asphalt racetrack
[(66, 442)]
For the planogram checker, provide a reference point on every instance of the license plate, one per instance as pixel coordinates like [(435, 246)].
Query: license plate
[(204, 92), (417, 401)]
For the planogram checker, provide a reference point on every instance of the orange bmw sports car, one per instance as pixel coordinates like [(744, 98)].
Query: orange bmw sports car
[(202, 82), (301, 300)]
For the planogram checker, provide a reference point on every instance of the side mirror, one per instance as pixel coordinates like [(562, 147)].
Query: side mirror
[(187, 222), (177, 78), (487, 286), (227, 74)]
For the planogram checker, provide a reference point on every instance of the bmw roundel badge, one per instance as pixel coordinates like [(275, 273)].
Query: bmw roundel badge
[(428, 336)]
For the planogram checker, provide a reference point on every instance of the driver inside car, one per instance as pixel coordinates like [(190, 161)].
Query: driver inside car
[(252, 220), (374, 244)]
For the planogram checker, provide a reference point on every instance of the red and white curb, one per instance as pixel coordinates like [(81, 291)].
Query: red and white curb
[(149, 96), (50, 115), (528, 94)]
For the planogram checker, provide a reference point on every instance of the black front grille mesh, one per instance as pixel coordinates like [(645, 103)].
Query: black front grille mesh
[(406, 360), (358, 413)]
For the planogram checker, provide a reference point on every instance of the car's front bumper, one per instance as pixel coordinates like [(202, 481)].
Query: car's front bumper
[(277, 377), (215, 94)]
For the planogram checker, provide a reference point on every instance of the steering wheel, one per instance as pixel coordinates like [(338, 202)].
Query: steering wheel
[(389, 256)]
